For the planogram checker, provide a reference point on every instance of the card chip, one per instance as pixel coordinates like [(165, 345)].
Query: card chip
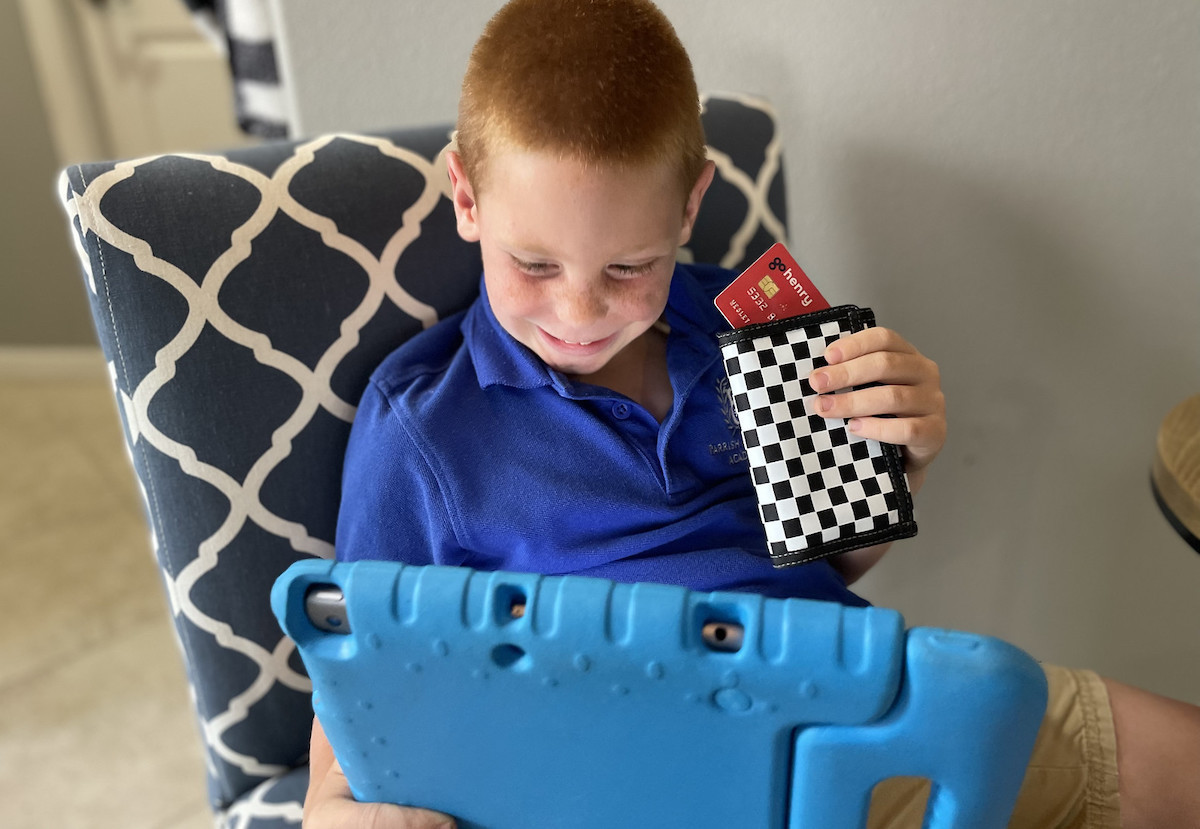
[(768, 286)]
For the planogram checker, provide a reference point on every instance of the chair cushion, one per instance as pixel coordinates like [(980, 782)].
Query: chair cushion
[(274, 804)]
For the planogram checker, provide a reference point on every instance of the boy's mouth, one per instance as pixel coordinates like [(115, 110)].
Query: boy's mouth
[(580, 347)]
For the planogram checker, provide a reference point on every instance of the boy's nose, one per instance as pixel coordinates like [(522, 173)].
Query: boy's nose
[(581, 304)]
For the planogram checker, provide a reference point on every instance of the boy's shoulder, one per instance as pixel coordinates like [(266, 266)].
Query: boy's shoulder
[(710, 279), (425, 356)]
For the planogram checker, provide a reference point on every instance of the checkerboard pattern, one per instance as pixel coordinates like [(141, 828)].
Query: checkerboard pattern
[(821, 490)]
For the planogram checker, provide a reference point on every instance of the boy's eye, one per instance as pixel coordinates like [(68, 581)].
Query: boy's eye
[(634, 270), (622, 271), (532, 268)]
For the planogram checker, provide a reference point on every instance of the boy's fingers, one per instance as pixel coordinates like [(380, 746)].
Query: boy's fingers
[(902, 401), (865, 342), (921, 437), (335, 806), (352, 815), (891, 367)]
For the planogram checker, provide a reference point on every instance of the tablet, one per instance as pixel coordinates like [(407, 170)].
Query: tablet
[(516, 700)]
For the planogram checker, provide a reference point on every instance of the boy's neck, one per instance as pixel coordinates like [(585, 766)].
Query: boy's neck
[(639, 372)]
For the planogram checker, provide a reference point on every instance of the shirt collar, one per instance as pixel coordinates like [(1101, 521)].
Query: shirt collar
[(690, 308), (500, 359)]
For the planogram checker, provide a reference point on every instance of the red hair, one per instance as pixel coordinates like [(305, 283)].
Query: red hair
[(598, 81)]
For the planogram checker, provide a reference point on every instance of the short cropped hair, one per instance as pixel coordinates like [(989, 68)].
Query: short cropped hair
[(597, 81)]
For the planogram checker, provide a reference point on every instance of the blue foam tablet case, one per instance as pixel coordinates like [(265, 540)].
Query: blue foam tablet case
[(596, 704)]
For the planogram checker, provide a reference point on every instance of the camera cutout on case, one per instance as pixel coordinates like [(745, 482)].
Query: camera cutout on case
[(325, 606), (509, 603), (725, 637)]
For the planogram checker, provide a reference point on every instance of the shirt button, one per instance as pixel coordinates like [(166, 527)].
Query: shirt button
[(620, 411)]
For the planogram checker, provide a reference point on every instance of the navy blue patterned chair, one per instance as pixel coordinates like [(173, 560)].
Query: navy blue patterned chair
[(242, 299)]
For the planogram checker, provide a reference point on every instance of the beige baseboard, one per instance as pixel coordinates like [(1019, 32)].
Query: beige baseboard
[(19, 362)]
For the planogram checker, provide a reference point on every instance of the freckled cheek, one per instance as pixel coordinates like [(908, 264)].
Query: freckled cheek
[(517, 299), (640, 299)]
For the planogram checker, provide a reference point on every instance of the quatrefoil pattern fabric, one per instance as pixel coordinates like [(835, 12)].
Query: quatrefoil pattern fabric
[(242, 300)]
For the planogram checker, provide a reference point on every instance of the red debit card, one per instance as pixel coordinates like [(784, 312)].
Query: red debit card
[(773, 288)]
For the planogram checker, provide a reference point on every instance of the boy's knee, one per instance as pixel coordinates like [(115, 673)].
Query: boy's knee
[(1158, 758)]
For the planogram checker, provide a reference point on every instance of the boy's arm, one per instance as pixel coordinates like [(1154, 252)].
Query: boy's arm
[(329, 802), (391, 508), (392, 505), (908, 390)]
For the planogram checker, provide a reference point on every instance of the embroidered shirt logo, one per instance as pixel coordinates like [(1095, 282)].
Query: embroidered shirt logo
[(725, 395), (732, 449)]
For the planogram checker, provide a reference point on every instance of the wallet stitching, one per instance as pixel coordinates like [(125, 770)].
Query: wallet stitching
[(762, 329), (895, 532)]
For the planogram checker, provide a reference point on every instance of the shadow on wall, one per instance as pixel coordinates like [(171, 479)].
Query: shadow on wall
[(1054, 386)]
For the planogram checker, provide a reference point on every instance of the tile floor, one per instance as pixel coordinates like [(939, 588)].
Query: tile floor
[(96, 728)]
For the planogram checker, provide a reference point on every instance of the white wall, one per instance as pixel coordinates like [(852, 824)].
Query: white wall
[(1014, 186), (42, 300)]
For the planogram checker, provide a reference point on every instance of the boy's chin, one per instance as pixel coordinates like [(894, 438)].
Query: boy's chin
[(578, 368)]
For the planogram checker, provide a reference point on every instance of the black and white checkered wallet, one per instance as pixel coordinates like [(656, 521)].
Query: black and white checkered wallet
[(821, 490)]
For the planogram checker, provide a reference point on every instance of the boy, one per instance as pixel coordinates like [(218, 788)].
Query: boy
[(564, 423)]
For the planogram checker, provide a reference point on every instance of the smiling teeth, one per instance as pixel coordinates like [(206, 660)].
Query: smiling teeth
[(589, 342)]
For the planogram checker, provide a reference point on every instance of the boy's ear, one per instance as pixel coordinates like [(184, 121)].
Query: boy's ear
[(692, 208), (466, 208)]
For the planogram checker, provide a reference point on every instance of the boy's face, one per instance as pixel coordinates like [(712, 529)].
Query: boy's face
[(577, 260)]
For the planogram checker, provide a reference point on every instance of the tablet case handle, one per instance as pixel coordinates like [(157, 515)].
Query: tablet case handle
[(955, 686)]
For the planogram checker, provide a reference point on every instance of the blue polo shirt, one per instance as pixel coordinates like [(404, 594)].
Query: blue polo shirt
[(468, 450)]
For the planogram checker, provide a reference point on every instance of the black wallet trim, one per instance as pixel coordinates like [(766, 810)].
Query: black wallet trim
[(859, 319)]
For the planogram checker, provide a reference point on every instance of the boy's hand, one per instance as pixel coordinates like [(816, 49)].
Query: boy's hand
[(909, 388), (330, 805)]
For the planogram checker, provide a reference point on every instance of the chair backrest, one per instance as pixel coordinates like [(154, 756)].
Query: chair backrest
[(242, 300)]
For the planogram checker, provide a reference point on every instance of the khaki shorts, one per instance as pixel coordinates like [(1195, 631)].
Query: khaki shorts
[(1071, 782)]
